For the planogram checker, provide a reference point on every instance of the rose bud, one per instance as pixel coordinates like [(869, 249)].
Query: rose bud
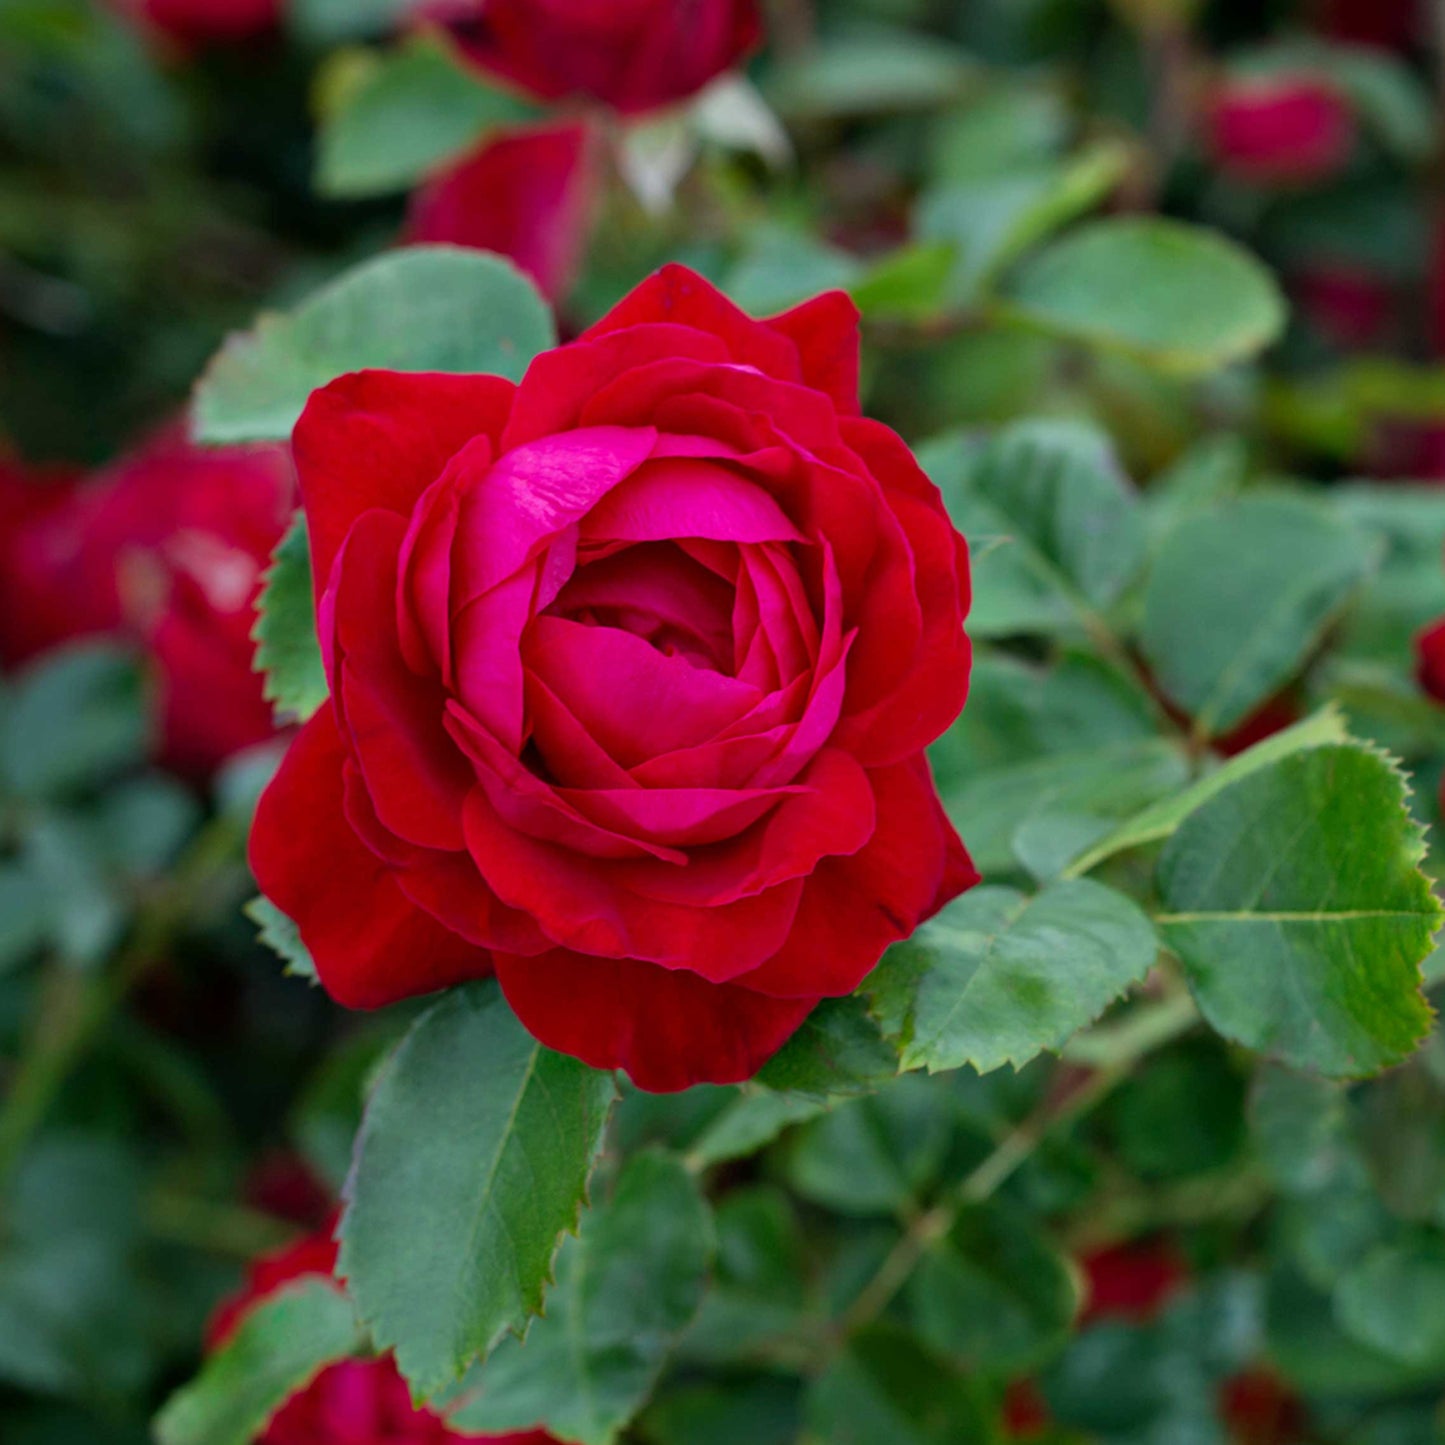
[(632, 666), (167, 546), (1279, 130), (528, 195), (631, 55), (1132, 1281), (351, 1402)]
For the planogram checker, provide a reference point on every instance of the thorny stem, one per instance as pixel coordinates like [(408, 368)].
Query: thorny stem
[(1114, 1052)]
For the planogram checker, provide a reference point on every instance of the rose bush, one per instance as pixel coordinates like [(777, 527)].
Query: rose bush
[(351, 1402), (632, 667), (167, 545)]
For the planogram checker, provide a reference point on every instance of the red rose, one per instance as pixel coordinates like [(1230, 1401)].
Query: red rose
[(632, 669), (633, 55), (205, 22), (1291, 129), (528, 195), (1260, 1409), (352, 1402), (1347, 303), (169, 545), (1386, 24)]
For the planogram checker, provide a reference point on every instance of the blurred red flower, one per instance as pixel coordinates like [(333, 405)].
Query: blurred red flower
[(631, 55), (205, 22), (529, 195), (1280, 129), (168, 546), (351, 1402)]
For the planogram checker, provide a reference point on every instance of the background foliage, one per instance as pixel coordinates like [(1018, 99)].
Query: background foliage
[(1141, 1141)]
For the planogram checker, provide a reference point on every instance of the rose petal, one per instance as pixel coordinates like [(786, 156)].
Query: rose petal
[(668, 1030), (825, 332), (311, 865), (380, 439)]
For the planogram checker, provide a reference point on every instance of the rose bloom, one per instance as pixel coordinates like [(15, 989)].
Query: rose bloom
[(1430, 659), (631, 55), (1292, 129), (632, 670), (529, 194), (166, 546), (351, 1402)]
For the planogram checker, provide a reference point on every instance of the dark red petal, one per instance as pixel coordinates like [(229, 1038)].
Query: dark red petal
[(392, 719), (668, 1030), (587, 904), (529, 195), (372, 945), (855, 907), (825, 331), (380, 439)]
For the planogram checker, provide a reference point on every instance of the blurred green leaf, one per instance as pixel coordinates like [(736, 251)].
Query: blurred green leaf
[(992, 220), (1394, 1300), (627, 1287), (1300, 914), (837, 1051), (1179, 297), (280, 1346), (994, 1292), (1052, 522), (868, 72), (885, 1388), (472, 1161), (998, 977), (425, 308), (1238, 597), (755, 1118), (75, 718), (419, 107)]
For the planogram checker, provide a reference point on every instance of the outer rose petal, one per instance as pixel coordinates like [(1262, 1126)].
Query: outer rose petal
[(675, 294), (528, 195), (855, 907), (668, 1030), (380, 439), (371, 943), (825, 331)]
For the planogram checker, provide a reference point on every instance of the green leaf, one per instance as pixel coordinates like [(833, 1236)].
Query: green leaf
[(1052, 522), (280, 934), (1394, 1300), (1159, 820), (1299, 912), (993, 1293), (1209, 473), (762, 1409), (992, 220), (837, 1051), (874, 1156), (425, 308), (867, 73), (885, 1388), (24, 917), (281, 1345), (757, 1297), (1219, 650), (75, 718), (1179, 297), (1012, 814), (417, 108), (998, 977), (327, 22), (472, 1161), (626, 1289), (288, 651), (754, 1119)]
